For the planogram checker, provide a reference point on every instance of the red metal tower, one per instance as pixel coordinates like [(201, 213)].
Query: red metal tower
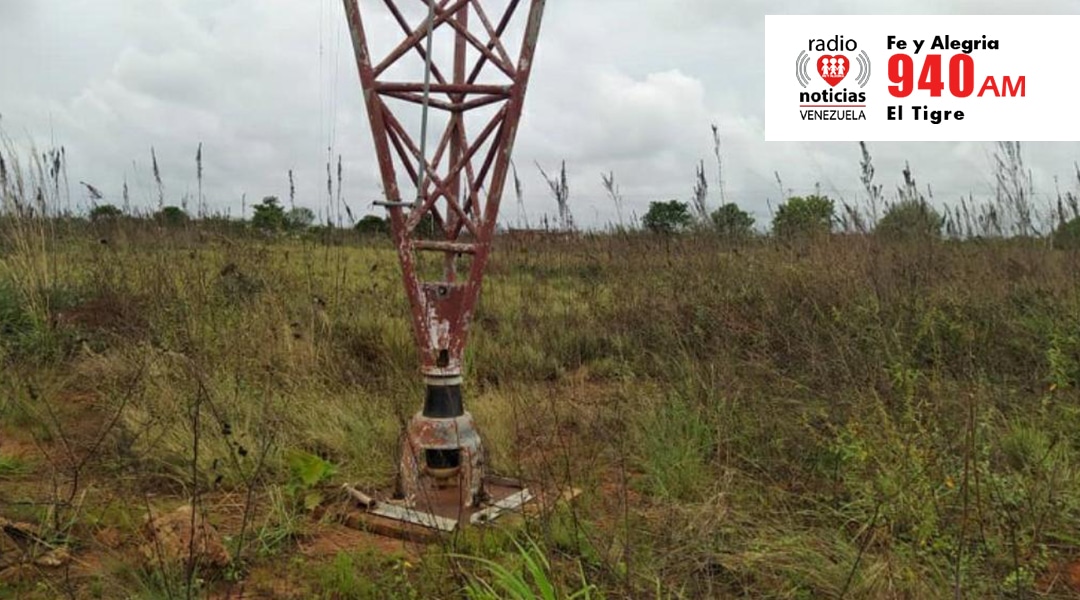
[(476, 88)]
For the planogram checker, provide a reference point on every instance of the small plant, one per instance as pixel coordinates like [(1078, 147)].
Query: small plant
[(365, 574), (280, 525), (676, 445), (1063, 358), (306, 473), (613, 192), (344, 578), (13, 466), (560, 188), (532, 582), (1018, 582), (701, 194)]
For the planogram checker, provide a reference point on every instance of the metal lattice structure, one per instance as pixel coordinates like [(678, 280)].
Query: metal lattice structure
[(477, 86)]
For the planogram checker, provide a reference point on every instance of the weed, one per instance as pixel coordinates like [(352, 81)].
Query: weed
[(306, 472), (13, 466), (365, 574), (676, 445), (280, 526), (532, 581)]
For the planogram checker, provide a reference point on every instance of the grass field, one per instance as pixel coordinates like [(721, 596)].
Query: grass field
[(839, 417)]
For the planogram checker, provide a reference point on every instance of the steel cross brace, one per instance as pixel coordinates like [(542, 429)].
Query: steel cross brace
[(465, 177)]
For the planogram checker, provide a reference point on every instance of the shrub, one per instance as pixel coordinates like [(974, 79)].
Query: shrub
[(809, 216), (299, 218), (731, 221), (269, 215), (371, 225), (668, 217), (910, 219), (171, 216), (105, 212), (426, 229)]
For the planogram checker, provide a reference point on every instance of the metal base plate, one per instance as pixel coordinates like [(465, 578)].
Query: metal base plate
[(441, 511)]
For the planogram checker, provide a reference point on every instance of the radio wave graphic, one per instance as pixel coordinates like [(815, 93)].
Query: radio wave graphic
[(800, 68), (864, 68)]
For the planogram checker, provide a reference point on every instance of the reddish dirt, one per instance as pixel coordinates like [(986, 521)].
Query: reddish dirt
[(16, 446), (1061, 577), (113, 314), (328, 540), (83, 425), (1072, 576)]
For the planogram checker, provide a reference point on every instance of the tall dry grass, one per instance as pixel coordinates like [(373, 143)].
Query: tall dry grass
[(845, 416)]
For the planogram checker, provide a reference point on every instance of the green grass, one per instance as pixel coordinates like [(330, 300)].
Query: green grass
[(13, 466), (491, 580)]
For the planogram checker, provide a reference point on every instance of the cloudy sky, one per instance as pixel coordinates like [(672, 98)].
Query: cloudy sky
[(268, 85)]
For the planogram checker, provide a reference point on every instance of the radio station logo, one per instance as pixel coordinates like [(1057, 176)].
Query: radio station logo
[(832, 67)]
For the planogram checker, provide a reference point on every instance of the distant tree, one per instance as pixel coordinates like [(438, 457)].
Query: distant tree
[(731, 221), (269, 215), (426, 229), (668, 217), (910, 219), (1067, 236), (372, 225), (171, 216), (809, 216), (105, 212), (299, 218)]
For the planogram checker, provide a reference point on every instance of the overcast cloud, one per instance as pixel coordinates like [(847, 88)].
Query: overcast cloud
[(267, 85)]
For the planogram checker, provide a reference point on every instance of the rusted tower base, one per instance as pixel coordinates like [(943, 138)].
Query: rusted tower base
[(442, 480), (465, 66), (442, 448)]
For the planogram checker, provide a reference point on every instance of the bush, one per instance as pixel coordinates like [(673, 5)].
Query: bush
[(910, 219), (426, 229), (372, 225), (299, 218), (731, 221), (171, 216), (105, 212), (269, 215), (668, 217), (799, 217)]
